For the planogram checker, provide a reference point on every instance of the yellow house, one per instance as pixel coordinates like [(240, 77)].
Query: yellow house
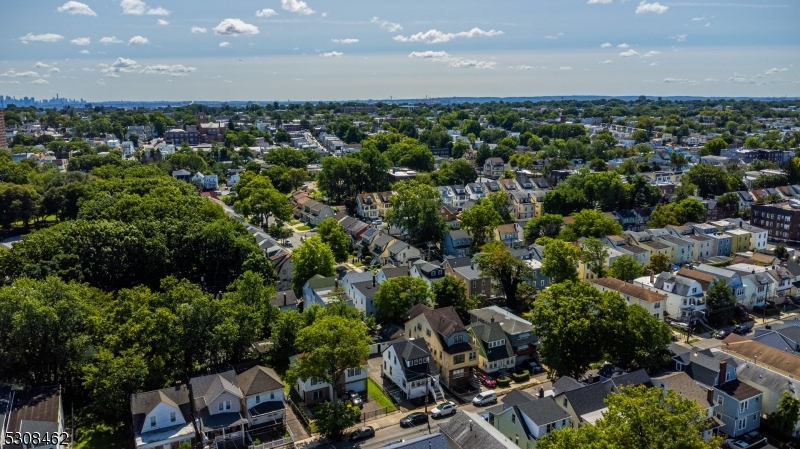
[(448, 342), (656, 248), (740, 240)]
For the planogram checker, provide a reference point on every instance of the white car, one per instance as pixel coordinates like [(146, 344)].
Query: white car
[(443, 409), (736, 444)]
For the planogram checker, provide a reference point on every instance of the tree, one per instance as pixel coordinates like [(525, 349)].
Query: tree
[(415, 210), (395, 296), (560, 260), (459, 148), (720, 302), (729, 202), (500, 203), (284, 332), (590, 223), (677, 160), (716, 145), (594, 254), (547, 225), (341, 178), (792, 169), (784, 419), (329, 347), (576, 323), (18, 202), (453, 292), (312, 257), (659, 263), (256, 197), (640, 417), (496, 262), (710, 180), (480, 220), (598, 165), (781, 252), (332, 418), (625, 268), (640, 136), (458, 171), (641, 343), (333, 235)]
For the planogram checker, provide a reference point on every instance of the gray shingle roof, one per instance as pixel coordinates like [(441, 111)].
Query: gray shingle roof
[(144, 403), (516, 397), (470, 431), (259, 379), (543, 411), (412, 350), (209, 386), (589, 398), (685, 386), (487, 333)]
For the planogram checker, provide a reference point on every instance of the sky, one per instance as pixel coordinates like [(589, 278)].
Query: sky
[(271, 50)]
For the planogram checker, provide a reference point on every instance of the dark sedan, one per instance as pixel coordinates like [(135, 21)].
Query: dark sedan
[(414, 419), (362, 433)]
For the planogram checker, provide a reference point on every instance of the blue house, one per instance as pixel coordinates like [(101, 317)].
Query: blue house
[(457, 243)]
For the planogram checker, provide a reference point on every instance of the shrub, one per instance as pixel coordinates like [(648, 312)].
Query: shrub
[(521, 377), (503, 381)]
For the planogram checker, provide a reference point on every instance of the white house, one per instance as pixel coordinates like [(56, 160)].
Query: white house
[(263, 394), (314, 391), (218, 405), (162, 418), (409, 364), (207, 181), (685, 297)]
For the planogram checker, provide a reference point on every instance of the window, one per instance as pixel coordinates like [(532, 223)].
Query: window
[(472, 356), (513, 418), (258, 399), (221, 406), (719, 400), (272, 395), (458, 373), (227, 405), (152, 421), (563, 422), (542, 282), (550, 427), (319, 394), (351, 372), (743, 423), (458, 359), (744, 406), (565, 402), (459, 338), (657, 305), (428, 332), (172, 417)]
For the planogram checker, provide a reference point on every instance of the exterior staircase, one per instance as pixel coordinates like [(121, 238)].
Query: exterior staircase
[(438, 394)]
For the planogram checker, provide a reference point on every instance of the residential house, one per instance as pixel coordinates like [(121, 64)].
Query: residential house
[(309, 210), (182, 174), (314, 391), (627, 218), (702, 246), (450, 214), (537, 278), (410, 366), (510, 234), (319, 290), (494, 167), (464, 268), (519, 331), (475, 191), (383, 202), (33, 410), (682, 384), (262, 389), (448, 341), (681, 248), (646, 241), (494, 350), (446, 195), (427, 271), (758, 236), (285, 300), (361, 288), (740, 240), (585, 273), (685, 297), (459, 195), (584, 403), (366, 206), (731, 277), (521, 205), (652, 301), (457, 243), (390, 272), (208, 182), (529, 420), (621, 245), (162, 418), (773, 385), (721, 243), (469, 430), (217, 406), (508, 185), (491, 187)]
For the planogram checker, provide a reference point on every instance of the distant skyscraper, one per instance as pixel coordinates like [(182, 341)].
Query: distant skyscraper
[(3, 136)]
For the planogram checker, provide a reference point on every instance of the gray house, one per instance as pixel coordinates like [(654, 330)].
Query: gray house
[(218, 407), (457, 243)]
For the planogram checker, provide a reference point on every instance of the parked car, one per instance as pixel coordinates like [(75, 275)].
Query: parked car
[(378, 221), (535, 368), (487, 397), (736, 444), (355, 398), (413, 420), (288, 243), (362, 433), (744, 328), (722, 334), (444, 409), (487, 380)]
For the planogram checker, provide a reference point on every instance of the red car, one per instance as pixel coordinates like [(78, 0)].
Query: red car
[(487, 380)]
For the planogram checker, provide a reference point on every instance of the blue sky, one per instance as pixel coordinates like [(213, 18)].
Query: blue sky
[(374, 49)]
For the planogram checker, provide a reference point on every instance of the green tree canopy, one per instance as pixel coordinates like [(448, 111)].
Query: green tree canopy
[(625, 268), (720, 302), (480, 220), (415, 210), (453, 292), (333, 235), (312, 257), (508, 272), (395, 296), (590, 223), (560, 260), (547, 225), (594, 255)]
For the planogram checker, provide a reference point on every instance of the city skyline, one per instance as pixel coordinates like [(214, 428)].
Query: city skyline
[(323, 50)]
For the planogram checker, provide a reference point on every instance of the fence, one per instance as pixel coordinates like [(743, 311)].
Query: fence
[(276, 443), (301, 414), (375, 414)]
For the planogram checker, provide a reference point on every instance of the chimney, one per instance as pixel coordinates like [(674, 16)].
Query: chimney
[(652, 276), (590, 379), (723, 368), (492, 319), (541, 392), (710, 395), (284, 298), (373, 280)]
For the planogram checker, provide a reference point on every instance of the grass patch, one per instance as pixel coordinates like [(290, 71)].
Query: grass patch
[(303, 228), (374, 391), (294, 222), (693, 340), (101, 436), (358, 263)]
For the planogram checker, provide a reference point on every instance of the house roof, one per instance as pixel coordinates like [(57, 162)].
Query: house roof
[(638, 377), (487, 333), (208, 387), (510, 228), (516, 397), (759, 375), (739, 390), (431, 441), (767, 355), (701, 365), (543, 411), (319, 281), (469, 430), (443, 321), (705, 279), (144, 403), (681, 383), (393, 272), (511, 324), (681, 287), (412, 350), (589, 398), (630, 289), (457, 262), (566, 383), (33, 406), (284, 298), (259, 379), (366, 288), (715, 271), (459, 234)]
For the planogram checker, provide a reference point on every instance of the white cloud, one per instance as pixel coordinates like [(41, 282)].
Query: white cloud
[(84, 52), (48, 37), (651, 53), (435, 36), (298, 6), (157, 12), (100, 82), (740, 79), (224, 44), (607, 61), (325, 14), (654, 63), (235, 27), (110, 40), (524, 67), (628, 53), (40, 65), (12, 82), (698, 19), (162, 22), (602, 2), (76, 8), (39, 81), (121, 65), (711, 80), (679, 37), (266, 12), (81, 41), (138, 40), (471, 63), (430, 55), (171, 70), (198, 30), (112, 75), (565, 68), (12, 74), (606, 45), (386, 25), (775, 70), (333, 54), (344, 41), (87, 69), (550, 36), (675, 80), (623, 46), (102, 65), (55, 70), (707, 25), (655, 7)]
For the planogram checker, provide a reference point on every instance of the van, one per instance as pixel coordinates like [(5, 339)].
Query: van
[(487, 397)]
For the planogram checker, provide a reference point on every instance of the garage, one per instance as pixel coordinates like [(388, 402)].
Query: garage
[(359, 386)]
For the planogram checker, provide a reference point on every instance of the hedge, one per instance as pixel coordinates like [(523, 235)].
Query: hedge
[(521, 377), (503, 381)]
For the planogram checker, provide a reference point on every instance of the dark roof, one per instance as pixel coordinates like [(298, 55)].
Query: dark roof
[(639, 377), (366, 288), (467, 430), (144, 403), (207, 387), (443, 321), (566, 383), (543, 411), (739, 390), (393, 272), (259, 379), (516, 397), (284, 298), (685, 386), (589, 398), (701, 366), (487, 333), (457, 262), (790, 332), (42, 405), (413, 350)]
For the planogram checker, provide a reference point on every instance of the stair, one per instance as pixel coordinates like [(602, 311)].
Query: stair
[(438, 394)]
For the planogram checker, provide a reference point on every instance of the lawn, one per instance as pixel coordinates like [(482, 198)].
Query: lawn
[(379, 397), (101, 436), (303, 228), (294, 222)]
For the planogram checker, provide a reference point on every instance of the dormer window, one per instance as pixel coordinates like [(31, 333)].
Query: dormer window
[(152, 421), (258, 399), (172, 417)]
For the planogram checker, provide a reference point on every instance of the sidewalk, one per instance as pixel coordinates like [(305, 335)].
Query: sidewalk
[(378, 424)]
